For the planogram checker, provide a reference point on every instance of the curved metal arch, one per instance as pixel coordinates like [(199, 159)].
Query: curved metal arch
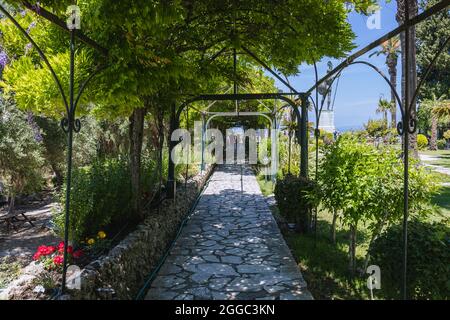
[(41, 54), (255, 96), (215, 101), (261, 103), (86, 82), (397, 97), (239, 115)]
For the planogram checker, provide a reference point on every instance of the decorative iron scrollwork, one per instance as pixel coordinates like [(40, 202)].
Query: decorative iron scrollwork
[(65, 125), (400, 128), (317, 132), (412, 127), (77, 125)]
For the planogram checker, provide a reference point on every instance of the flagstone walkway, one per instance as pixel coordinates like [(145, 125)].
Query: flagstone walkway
[(231, 248)]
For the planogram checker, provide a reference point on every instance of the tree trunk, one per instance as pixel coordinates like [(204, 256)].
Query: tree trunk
[(413, 9), (392, 67), (375, 236), (12, 198), (289, 153), (434, 133), (136, 138), (333, 227), (59, 179), (352, 250)]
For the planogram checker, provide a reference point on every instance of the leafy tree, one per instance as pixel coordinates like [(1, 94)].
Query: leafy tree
[(431, 35), (365, 184), (21, 158), (54, 143)]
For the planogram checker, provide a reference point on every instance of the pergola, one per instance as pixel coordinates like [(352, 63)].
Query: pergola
[(406, 126)]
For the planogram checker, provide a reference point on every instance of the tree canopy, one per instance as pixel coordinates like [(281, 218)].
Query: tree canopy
[(160, 47), (431, 35)]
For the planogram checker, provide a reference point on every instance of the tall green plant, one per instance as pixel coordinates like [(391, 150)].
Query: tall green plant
[(365, 184)]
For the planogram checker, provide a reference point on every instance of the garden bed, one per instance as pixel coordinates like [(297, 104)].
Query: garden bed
[(123, 271)]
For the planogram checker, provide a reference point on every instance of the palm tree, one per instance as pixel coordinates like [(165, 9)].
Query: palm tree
[(391, 49), (383, 107), (443, 110), (436, 107)]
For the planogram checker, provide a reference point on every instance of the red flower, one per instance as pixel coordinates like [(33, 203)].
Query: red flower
[(69, 249), (42, 249), (78, 254), (58, 260), (45, 251), (36, 256), (50, 249)]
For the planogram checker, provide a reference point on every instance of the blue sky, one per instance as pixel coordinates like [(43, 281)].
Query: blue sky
[(359, 87)]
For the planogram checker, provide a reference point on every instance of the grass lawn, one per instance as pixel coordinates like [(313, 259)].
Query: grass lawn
[(325, 265), (266, 186)]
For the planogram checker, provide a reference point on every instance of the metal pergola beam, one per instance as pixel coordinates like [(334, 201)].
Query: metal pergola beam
[(244, 96), (243, 113), (412, 22), (42, 12)]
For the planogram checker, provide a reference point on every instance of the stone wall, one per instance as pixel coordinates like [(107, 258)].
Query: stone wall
[(124, 270)]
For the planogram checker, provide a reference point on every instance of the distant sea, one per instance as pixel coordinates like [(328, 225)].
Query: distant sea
[(349, 128)]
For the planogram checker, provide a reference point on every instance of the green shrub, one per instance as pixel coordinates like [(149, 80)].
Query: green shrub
[(293, 196), (441, 144), (447, 135), (100, 198), (101, 195), (376, 128), (422, 141), (428, 260)]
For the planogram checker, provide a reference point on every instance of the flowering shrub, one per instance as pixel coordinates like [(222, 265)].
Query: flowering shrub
[(52, 257), (97, 245)]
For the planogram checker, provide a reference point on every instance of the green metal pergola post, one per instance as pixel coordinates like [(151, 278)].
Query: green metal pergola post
[(304, 137)]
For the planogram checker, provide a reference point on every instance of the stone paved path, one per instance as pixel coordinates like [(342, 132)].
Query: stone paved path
[(426, 159), (231, 248)]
